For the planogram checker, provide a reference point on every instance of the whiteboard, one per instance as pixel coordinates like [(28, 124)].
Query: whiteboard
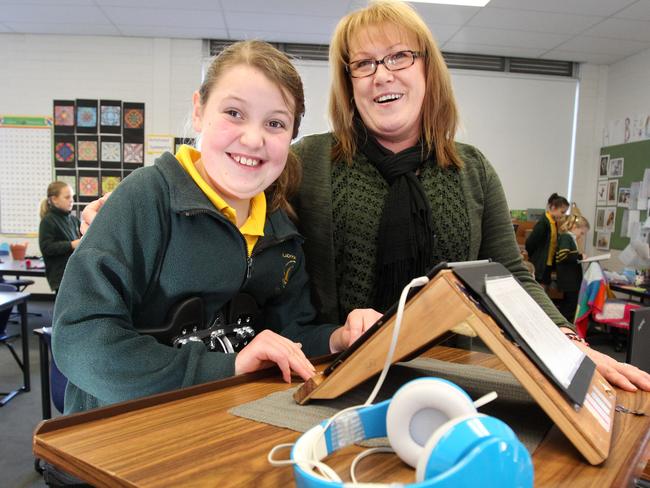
[(26, 169)]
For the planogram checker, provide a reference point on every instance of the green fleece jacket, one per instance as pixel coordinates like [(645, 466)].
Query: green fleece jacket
[(55, 234), (157, 241), (481, 217), (537, 245)]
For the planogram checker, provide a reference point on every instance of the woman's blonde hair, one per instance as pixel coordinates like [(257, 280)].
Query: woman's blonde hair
[(53, 190), (277, 68), (439, 112)]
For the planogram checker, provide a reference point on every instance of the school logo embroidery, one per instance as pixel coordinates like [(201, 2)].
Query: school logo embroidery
[(289, 264)]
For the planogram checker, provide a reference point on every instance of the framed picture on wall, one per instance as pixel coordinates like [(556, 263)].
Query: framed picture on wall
[(612, 192), (624, 197), (615, 168), (602, 240), (602, 193), (604, 165), (600, 219), (610, 219)]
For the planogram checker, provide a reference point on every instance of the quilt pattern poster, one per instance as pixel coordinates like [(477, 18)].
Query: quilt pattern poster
[(97, 143)]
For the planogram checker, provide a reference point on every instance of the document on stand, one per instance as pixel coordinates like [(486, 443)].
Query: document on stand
[(552, 347)]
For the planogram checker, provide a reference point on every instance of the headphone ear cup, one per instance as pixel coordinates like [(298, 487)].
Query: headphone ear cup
[(418, 409), (455, 439)]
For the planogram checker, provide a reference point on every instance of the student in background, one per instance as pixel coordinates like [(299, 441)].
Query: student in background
[(210, 224), (569, 270), (542, 241), (58, 233)]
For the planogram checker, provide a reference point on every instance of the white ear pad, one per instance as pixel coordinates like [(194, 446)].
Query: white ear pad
[(418, 409)]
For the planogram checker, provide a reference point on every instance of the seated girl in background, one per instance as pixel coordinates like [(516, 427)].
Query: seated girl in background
[(58, 233), (210, 224)]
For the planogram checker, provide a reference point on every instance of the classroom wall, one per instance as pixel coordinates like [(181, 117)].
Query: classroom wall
[(607, 93), (36, 69), (162, 73)]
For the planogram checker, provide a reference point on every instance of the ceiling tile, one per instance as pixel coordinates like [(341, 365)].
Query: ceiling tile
[(179, 32), (50, 13), (638, 11), (469, 48), (512, 38), (602, 8), (594, 58), (65, 28), (275, 36), (331, 8), (288, 25), (559, 23), (634, 30), (601, 45), (61, 3), (445, 14), (156, 4), (165, 18), (443, 33)]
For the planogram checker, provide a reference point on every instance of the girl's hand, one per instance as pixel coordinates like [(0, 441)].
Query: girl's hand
[(75, 243), (91, 211), (358, 321), (268, 348)]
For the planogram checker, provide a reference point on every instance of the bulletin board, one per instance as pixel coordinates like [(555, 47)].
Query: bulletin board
[(25, 171), (620, 166)]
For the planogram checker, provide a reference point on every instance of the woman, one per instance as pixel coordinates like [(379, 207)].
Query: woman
[(58, 233), (389, 192)]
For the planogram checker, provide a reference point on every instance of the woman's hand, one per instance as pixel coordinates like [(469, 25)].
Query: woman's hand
[(268, 348), (358, 321), (622, 375), (91, 211)]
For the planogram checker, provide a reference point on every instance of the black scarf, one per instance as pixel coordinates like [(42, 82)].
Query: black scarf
[(405, 237)]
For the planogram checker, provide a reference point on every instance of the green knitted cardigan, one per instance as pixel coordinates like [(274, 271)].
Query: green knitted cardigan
[(339, 206)]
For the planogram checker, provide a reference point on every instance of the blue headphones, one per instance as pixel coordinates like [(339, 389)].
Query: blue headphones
[(433, 426)]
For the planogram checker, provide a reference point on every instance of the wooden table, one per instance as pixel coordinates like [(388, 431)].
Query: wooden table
[(19, 268), (186, 437), (9, 299)]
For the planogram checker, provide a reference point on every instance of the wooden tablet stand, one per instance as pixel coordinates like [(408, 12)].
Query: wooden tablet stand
[(442, 304)]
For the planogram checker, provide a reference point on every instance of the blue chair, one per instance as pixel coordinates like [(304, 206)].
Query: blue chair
[(7, 339), (53, 382)]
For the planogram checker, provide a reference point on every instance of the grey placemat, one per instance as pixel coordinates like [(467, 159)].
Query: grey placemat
[(514, 406)]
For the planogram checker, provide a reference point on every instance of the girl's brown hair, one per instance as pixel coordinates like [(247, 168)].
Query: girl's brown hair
[(439, 112), (53, 190), (278, 69)]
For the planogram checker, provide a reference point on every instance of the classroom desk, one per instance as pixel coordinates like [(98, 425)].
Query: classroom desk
[(641, 292), (19, 268), (187, 437), (7, 301)]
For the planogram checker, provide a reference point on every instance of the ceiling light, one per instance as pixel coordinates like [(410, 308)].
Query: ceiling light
[(465, 3)]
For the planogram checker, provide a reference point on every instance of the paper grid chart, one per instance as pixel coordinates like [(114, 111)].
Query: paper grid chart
[(25, 155)]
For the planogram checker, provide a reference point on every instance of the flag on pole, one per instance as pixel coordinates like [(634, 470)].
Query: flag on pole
[(591, 298)]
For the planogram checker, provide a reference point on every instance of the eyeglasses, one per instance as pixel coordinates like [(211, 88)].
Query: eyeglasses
[(392, 62)]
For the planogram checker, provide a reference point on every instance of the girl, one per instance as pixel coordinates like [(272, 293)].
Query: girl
[(542, 241), (58, 233), (210, 224), (569, 270)]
